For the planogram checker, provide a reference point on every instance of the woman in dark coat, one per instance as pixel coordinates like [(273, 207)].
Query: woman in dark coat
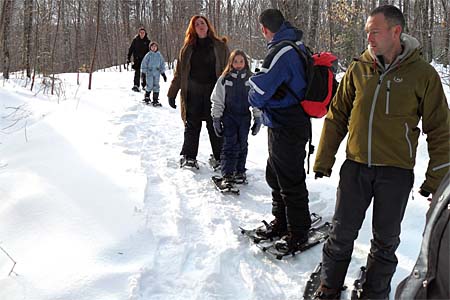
[(202, 59)]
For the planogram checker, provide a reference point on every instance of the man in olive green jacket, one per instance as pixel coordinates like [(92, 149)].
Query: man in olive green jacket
[(380, 101)]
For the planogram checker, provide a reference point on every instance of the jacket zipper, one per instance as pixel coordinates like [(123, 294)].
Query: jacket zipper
[(372, 110), (407, 140), (387, 96)]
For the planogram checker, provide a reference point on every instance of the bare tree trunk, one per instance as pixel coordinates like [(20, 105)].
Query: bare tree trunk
[(77, 40), (6, 21), (313, 24), (446, 58), (27, 23), (217, 18), (36, 46), (94, 52), (229, 17), (425, 29), (330, 25), (52, 61), (430, 31), (406, 8)]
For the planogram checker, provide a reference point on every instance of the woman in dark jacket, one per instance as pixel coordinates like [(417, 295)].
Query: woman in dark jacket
[(138, 48), (202, 59)]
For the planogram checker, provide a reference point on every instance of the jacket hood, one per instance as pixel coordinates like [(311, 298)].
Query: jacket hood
[(286, 32), (409, 44)]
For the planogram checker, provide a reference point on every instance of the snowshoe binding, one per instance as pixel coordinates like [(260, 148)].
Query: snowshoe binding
[(313, 283), (273, 231), (155, 101), (358, 284), (240, 178), (215, 164), (225, 184), (147, 98), (189, 163), (291, 246)]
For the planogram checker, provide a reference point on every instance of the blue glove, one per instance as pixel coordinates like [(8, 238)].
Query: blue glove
[(218, 126), (257, 122)]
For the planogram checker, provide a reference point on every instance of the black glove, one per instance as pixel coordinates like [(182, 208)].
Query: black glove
[(164, 77), (281, 92), (424, 193), (318, 175), (257, 122), (172, 102), (218, 126)]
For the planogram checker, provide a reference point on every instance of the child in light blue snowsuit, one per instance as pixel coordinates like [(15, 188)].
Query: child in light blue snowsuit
[(152, 66), (230, 110)]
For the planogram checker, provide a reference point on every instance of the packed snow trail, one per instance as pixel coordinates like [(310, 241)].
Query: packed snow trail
[(148, 229)]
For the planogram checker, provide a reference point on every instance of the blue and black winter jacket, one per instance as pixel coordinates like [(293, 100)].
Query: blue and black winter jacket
[(281, 65), (230, 96)]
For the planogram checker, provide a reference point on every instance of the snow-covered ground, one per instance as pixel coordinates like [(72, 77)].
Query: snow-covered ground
[(93, 204)]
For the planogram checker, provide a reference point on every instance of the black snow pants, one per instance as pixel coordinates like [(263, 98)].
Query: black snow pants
[(389, 187), (198, 109), (285, 174), (137, 74)]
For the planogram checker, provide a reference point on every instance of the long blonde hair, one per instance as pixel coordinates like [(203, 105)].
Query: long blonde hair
[(190, 37), (233, 54)]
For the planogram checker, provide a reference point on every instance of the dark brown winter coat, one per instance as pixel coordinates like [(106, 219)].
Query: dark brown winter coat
[(183, 67)]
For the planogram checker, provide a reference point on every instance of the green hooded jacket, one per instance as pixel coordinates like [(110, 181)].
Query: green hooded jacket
[(380, 108)]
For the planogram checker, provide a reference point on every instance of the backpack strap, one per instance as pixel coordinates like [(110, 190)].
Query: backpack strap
[(308, 63)]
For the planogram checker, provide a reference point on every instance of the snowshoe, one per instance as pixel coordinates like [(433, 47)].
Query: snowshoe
[(225, 184), (316, 235), (268, 233), (156, 103), (188, 163), (215, 164), (323, 292), (358, 283), (291, 242), (135, 89), (313, 283), (240, 178)]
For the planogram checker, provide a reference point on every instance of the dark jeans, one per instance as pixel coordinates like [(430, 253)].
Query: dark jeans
[(198, 109), (389, 187), (235, 143), (285, 174)]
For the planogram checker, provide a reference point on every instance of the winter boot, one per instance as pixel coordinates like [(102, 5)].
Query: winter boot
[(292, 242), (324, 292), (215, 164), (240, 178), (188, 162), (227, 182), (147, 97), (155, 101), (274, 229), (135, 89)]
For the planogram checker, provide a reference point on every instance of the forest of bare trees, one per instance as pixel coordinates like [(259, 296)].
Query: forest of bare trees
[(55, 36)]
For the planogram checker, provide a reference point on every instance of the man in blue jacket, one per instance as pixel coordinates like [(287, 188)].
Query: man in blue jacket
[(288, 130)]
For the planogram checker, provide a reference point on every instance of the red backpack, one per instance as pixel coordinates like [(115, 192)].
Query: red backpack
[(322, 85)]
